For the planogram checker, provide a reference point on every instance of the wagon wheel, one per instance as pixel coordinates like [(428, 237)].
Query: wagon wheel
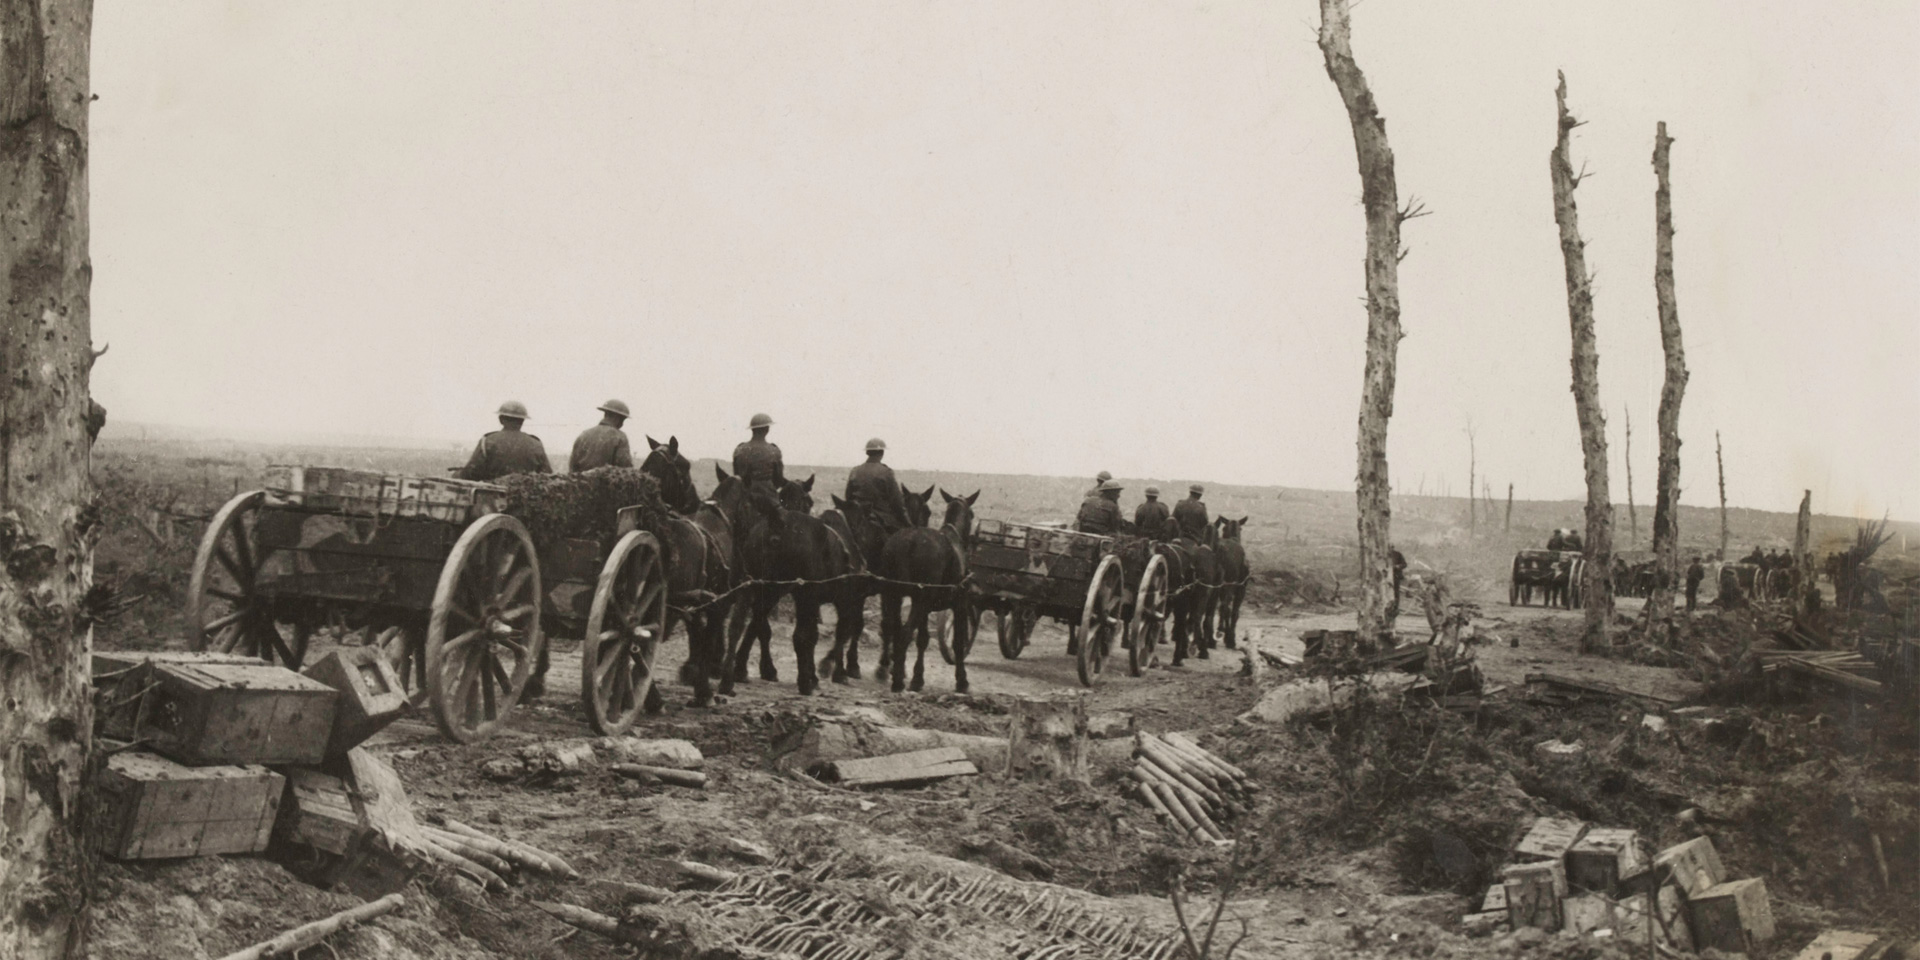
[(626, 625), (486, 616), (1100, 620), (1015, 626), (1513, 584), (407, 652), (1149, 616), (224, 609), (941, 626)]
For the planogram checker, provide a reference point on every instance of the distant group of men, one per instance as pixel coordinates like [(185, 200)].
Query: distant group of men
[(757, 461), (1100, 512)]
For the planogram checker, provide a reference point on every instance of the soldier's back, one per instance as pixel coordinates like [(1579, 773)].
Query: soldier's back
[(600, 446)]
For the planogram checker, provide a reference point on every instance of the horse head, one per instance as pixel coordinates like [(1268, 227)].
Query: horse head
[(674, 473), (797, 495), (919, 506), (731, 499), (960, 515), (1230, 529), (868, 537)]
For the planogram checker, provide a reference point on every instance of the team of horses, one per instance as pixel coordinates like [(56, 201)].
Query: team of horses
[(731, 555)]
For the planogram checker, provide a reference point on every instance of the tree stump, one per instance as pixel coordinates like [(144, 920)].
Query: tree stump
[(1049, 736)]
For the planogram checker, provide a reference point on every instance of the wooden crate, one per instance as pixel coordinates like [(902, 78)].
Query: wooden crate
[(371, 695), (233, 713), (116, 702), (1695, 865), (1550, 839), (1734, 917), (322, 813), (1602, 857), (1839, 945), (318, 813), (1534, 892), (368, 494), (149, 807)]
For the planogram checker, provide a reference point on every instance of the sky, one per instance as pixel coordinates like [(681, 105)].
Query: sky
[(1015, 237)]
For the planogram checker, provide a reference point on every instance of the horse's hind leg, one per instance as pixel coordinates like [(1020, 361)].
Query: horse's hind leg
[(1182, 613), (705, 631), (851, 623), (806, 639), (920, 636), (893, 638), (962, 644), (763, 630)]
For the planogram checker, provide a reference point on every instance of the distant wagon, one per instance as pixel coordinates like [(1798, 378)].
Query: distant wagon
[(1555, 573), (452, 589), (1023, 572)]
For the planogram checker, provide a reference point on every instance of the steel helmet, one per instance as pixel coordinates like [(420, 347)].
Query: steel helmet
[(759, 420), (1153, 491), (514, 409), (1111, 485), (1102, 477), (876, 445), (1196, 488), (615, 407)]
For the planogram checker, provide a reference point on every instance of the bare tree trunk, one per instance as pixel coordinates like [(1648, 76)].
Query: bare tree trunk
[(1721, 462), (1380, 197), (1802, 541), (1597, 585), (1633, 513), (1473, 462), (1507, 526), (1666, 502), (45, 516)]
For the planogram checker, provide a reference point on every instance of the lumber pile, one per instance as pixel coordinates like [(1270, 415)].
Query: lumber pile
[(1188, 787), (1843, 668)]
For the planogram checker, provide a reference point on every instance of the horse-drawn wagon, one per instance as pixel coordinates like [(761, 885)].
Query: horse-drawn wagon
[(1555, 573), (1023, 572), (453, 590)]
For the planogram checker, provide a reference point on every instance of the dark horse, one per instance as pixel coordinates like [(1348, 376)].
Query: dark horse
[(702, 563), (1233, 574), (670, 469), (935, 563), (1193, 609), (752, 615), (818, 556)]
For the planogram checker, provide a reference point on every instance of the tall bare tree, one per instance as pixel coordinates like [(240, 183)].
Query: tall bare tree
[(1803, 543), (1721, 462), (1633, 512), (1380, 197), (45, 520), (1473, 465), (1666, 502), (1597, 583), (1506, 526)]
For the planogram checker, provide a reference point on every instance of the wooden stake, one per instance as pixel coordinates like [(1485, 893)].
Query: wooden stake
[(1216, 759), (644, 773), (1172, 769), (300, 938), (1171, 800)]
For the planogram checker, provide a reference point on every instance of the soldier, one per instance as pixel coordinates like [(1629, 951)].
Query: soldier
[(1098, 479), (873, 487), (1696, 572), (1190, 515), (757, 462), (1398, 561), (603, 444), (1558, 541), (1573, 542), (1100, 511), (96, 419), (507, 450), (1150, 517)]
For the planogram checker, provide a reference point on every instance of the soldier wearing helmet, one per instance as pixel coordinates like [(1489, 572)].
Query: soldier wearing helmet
[(1151, 515), (873, 487), (604, 444), (1190, 515), (1098, 479), (758, 462), (507, 450), (1100, 511)]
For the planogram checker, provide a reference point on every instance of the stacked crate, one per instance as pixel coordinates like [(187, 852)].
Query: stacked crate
[(364, 493)]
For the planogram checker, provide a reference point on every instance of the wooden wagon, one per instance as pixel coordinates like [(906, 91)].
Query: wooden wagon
[(1023, 572), (453, 590)]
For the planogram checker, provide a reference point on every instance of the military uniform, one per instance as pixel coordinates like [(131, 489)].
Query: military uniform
[(1190, 516), (505, 452), (1151, 518), (601, 445), (1099, 515), (873, 487), (1695, 574), (758, 461)]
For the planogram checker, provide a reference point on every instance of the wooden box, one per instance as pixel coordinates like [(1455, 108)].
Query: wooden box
[(368, 494), (1695, 865), (149, 807), (1550, 839), (371, 695), (1734, 917), (1496, 899), (206, 714), (116, 704), (1839, 945), (1534, 892), (322, 813), (1602, 857), (318, 812)]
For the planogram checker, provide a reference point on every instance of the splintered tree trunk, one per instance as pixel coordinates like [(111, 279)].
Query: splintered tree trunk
[(45, 519), (1802, 541), (1633, 512), (1048, 738), (1721, 463), (1666, 502), (1507, 525), (1597, 584), (1380, 197), (1473, 466)]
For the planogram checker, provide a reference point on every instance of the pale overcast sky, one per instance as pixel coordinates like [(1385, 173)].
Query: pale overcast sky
[(1013, 236)]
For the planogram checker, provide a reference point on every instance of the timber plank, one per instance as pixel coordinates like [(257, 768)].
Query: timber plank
[(900, 769)]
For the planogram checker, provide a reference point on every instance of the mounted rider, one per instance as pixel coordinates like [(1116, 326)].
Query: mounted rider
[(1190, 515), (507, 450), (873, 487), (604, 444), (757, 462), (1098, 479), (1151, 517), (1100, 511)]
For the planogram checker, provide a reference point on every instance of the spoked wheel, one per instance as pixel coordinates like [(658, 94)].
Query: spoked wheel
[(625, 627), (407, 652), (225, 611), (1149, 616), (485, 633), (1015, 627), (1100, 619), (941, 626)]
